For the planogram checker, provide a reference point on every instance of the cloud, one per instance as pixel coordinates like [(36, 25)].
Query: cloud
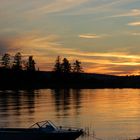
[(105, 6), (75, 52), (46, 49), (34, 43), (137, 23), (136, 34), (112, 69), (132, 33), (108, 61), (131, 13), (37, 44), (56, 6), (90, 36)]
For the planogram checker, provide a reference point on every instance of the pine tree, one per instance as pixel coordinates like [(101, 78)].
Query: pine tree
[(17, 64), (57, 66), (6, 60), (31, 64), (66, 66), (77, 66)]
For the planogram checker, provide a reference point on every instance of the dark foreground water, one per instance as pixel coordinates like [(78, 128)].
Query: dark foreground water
[(109, 114)]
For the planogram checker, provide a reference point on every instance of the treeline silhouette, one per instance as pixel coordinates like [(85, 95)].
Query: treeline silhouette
[(16, 62), (19, 73), (16, 72), (66, 67)]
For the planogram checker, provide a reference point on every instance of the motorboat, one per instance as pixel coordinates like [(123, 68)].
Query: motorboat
[(44, 130)]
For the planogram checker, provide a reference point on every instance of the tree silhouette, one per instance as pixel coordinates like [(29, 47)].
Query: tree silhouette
[(31, 64), (58, 66), (77, 66), (6, 60), (66, 66), (17, 64)]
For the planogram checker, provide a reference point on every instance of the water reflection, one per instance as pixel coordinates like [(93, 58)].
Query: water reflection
[(110, 113), (41, 104), (14, 104), (66, 100)]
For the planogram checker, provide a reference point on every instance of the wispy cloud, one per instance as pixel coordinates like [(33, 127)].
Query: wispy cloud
[(107, 55), (43, 45), (57, 6), (90, 36), (45, 50), (131, 13), (137, 23), (131, 33), (105, 6), (32, 43), (136, 34), (57, 22), (61, 7)]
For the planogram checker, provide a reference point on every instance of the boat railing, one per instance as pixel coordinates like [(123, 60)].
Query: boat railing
[(48, 123), (43, 124)]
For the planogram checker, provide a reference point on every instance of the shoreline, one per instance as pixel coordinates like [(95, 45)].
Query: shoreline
[(10, 79)]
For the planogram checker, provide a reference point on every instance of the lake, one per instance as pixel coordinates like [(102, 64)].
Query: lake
[(108, 114)]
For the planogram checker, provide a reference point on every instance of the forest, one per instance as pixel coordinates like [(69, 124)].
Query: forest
[(17, 63), (19, 73), (16, 72)]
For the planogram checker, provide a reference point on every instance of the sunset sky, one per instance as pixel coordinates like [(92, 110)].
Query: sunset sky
[(103, 34)]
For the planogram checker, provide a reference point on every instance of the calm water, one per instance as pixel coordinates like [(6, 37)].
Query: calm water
[(111, 114)]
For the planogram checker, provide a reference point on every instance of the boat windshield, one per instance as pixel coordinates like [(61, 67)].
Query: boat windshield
[(44, 124)]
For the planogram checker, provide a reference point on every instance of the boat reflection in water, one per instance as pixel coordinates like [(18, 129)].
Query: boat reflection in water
[(44, 130)]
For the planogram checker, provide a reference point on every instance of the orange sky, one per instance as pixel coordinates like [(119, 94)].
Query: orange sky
[(103, 35)]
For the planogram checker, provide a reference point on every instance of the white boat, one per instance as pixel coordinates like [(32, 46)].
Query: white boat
[(44, 130)]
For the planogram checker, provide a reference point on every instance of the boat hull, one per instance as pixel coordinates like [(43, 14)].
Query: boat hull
[(38, 135)]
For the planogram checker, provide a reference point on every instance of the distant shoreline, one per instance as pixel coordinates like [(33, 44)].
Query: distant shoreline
[(11, 79)]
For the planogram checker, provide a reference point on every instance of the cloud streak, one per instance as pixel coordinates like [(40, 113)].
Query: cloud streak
[(56, 6), (136, 34), (131, 13), (90, 36), (45, 50), (66, 27), (137, 23), (106, 6)]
